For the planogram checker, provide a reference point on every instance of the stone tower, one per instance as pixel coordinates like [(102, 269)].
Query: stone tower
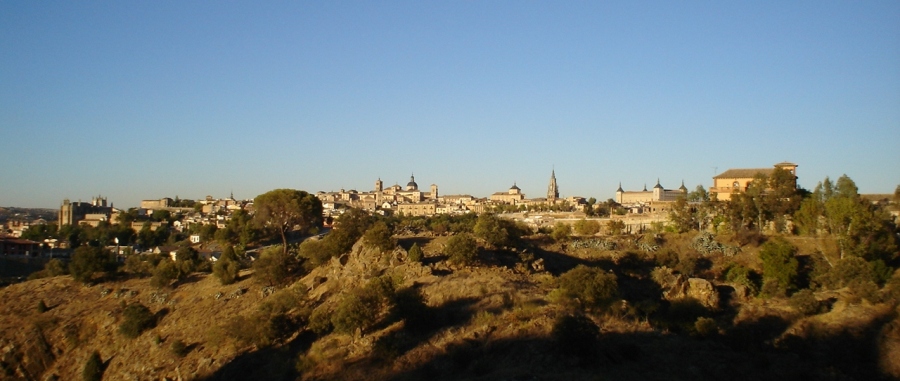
[(434, 192), (552, 189)]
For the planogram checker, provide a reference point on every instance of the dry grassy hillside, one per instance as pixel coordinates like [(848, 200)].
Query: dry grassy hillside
[(491, 321)]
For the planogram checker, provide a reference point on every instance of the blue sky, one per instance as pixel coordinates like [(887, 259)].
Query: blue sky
[(143, 100)]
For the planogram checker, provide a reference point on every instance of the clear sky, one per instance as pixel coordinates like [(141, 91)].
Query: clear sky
[(142, 100)]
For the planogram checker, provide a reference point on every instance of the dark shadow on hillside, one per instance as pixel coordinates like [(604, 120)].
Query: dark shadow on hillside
[(407, 243), (558, 263), (270, 363)]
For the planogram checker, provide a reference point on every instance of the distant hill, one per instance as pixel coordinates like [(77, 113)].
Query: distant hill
[(27, 214)]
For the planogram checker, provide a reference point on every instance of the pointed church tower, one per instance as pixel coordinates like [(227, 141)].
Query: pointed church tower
[(552, 189)]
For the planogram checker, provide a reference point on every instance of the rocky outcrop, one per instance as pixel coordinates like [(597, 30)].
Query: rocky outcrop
[(678, 286)]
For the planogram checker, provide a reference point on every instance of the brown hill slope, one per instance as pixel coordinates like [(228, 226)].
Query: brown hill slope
[(493, 321)]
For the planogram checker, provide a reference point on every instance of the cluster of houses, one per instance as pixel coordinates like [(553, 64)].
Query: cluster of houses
[(643, 207)]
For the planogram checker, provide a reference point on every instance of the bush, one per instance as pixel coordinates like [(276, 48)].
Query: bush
[(361, 308), (706, 327), (136, 319), (779, 267), (320, 321), (415, 253), (316, 252), (593, 287), (165, 272), (741, 275), (93, 368), (805, 302), (88, 260), (274, 267), (461, 249), (227, 267), (380, 237), (561, 231), (585, 227), (575, 336), (179, 348)]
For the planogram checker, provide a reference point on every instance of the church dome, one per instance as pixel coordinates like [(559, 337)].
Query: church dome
[(411, 185)]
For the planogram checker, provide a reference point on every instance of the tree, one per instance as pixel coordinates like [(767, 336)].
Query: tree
[(699, 194), (615, 227), (489, 228), (461, 249), (592, 287), (285, 209), (88, 260), (227, 267), (274, 267), (779, 266), (379, 236), (415, 253), (136, 318), (681, 216), (561, 231), (587, 227)]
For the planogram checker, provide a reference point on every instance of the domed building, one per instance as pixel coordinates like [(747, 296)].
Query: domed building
[(513, 196)]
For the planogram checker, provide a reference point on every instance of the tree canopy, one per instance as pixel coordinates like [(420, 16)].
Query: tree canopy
[(285, 209)]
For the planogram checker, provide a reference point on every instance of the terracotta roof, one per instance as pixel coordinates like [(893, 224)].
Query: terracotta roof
[(744, 173)]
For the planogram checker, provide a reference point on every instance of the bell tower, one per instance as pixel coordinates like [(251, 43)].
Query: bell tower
[(552, 189)]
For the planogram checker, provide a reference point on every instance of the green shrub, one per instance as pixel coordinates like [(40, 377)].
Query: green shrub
[(165, 272), (320, 321), (780, 267), (179, 348), (274, 267), (93, 368), (227, 267), (88, 260), (706, 327), (461, 249), (136, 319), (592, 287), (561, 231), (744, 276), (356, 310), (585, 227), (415, 253), (380, 237), (804, 301)]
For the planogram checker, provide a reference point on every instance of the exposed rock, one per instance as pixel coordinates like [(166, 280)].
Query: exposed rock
[(677, 286)]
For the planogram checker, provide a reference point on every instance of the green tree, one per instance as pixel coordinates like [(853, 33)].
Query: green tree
[(136, 318), (165, 272), (615, 227), (88, 260), (274, 267), (461, 249), (561, 231), (780, 267), (586, 227), (286, 209), (681, 215), (591, 287), (379, 236), (699, 194), (227, 267), (489, 228), (415, 253)]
